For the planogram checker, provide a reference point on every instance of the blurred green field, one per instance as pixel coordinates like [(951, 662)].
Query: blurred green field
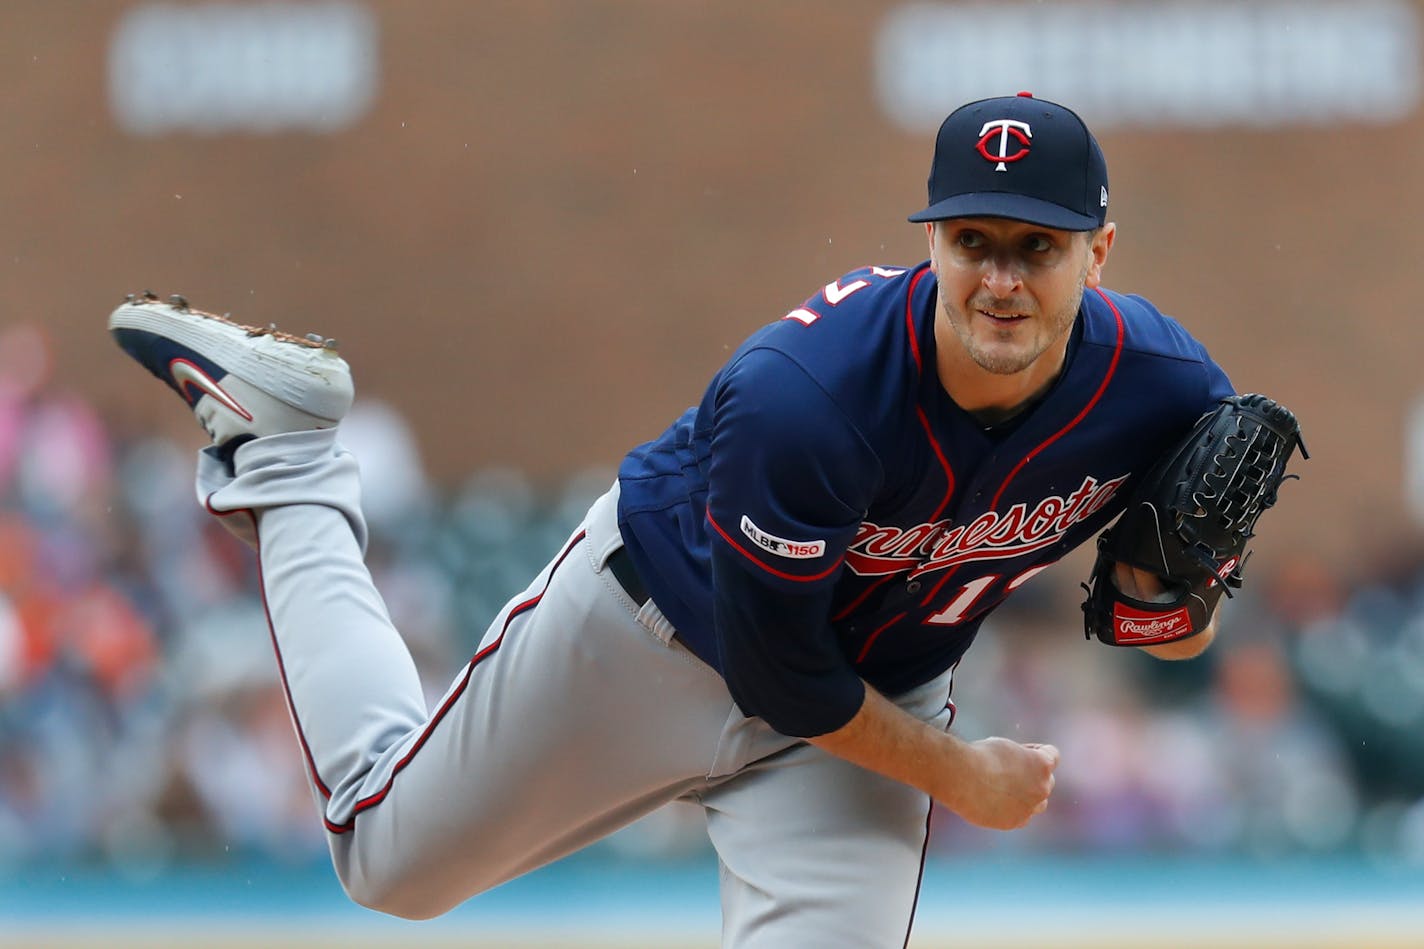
[(986, 902), (1143, 940)]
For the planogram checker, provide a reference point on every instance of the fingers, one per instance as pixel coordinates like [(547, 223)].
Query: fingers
[(1051, 755), (1014, 783), (1048, 751), (1042, 805)]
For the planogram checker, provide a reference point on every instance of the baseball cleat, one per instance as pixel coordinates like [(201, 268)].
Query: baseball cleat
[(242, 382)]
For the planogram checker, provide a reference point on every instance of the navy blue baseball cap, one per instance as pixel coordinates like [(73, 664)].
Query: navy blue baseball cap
[(1021, 158)]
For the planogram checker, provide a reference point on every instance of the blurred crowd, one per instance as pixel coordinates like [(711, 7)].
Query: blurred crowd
[(142, 725)]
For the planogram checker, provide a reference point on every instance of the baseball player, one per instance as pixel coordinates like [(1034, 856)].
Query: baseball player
[(764, 614)]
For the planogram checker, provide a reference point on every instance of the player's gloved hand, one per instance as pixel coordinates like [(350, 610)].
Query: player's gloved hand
[(1140, 584), (1149, 588), (1188, 521), (1001, 784)]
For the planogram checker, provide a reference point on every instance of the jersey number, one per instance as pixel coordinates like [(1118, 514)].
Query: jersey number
[(834, 293), (971, 592)]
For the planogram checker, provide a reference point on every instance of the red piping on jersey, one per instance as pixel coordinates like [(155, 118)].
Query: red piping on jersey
[(939, 586), (1102, 387), (910, 319), (943, 461), (771, 570), (865, 650), (850, 608), (949, 492)]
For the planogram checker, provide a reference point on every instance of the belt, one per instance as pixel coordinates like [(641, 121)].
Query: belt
[(621, 566)]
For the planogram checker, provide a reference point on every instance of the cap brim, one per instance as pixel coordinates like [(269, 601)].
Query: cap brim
[(1015, 207)]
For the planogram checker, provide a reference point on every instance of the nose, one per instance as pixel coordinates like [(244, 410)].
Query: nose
[(1001, 277)]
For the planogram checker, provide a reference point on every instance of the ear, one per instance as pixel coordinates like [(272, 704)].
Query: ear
[(930, 236), (1102, 244)]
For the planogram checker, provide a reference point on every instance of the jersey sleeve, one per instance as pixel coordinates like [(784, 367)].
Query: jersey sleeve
[(1174, 338), (790, 478), (1218, 386)]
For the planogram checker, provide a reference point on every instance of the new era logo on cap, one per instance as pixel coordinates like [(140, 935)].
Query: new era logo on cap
[(1021, 158)]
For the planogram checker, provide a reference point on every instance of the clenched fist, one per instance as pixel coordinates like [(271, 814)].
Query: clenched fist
[(1001, 784)]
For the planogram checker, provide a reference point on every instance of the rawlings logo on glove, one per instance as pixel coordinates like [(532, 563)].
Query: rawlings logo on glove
[(1136, 627), (1188, 522)]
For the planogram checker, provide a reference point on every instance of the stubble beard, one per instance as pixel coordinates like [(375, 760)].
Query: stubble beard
[(1007, 363)]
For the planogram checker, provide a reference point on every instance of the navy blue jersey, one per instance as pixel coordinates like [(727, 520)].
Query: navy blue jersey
[(829, 515)]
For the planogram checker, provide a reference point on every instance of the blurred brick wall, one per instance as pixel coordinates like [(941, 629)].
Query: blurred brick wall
[(560, 216)]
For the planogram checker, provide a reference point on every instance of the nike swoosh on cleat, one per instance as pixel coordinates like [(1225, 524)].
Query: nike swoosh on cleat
[(185, 375)]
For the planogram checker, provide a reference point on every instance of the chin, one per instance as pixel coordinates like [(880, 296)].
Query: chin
[(1003, 364)]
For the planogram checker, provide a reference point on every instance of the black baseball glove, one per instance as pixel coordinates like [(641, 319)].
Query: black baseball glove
[(1188, 521)]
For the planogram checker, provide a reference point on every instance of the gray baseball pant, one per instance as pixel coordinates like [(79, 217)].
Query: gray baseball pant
[(579, 713)]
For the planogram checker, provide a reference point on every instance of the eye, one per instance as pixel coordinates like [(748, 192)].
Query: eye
[(969, 239), (1038, 244)]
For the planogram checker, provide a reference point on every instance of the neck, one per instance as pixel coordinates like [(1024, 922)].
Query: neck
[(990, 397)]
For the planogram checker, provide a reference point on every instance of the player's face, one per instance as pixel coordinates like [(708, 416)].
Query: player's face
[(1011, 290)]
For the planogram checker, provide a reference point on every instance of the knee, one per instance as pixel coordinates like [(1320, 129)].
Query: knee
[(407, 894), (393, 901), (409, 878)]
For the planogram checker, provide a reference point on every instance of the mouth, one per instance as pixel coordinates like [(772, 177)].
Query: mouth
[(1002, 318)]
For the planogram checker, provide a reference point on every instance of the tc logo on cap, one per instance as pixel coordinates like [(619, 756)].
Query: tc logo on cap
[(997, 132)]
